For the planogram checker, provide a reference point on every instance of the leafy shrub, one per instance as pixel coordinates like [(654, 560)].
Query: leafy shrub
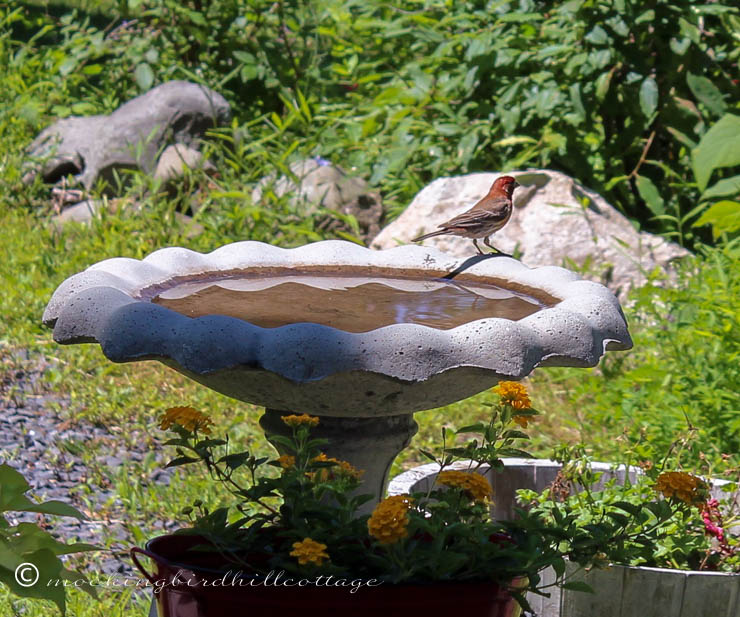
[(684, 370), (616, 93)]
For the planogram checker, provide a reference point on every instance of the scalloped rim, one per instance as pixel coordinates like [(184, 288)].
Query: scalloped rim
[(585, 322)]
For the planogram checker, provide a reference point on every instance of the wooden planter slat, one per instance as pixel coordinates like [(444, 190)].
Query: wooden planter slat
[(642, 585), (652, 592)]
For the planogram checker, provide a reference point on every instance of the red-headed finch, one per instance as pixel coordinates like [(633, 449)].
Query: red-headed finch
[(486, 217)]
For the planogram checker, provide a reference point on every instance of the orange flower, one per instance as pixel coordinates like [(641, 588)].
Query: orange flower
[(389, 521), (296, 421), (683, 486), (473, 484), (309, 551), (343, 467), (522, 421), (514, 394), (188, 418), (287, 461)]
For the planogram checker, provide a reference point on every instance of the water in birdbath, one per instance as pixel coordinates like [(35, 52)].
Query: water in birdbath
[(349, 303)]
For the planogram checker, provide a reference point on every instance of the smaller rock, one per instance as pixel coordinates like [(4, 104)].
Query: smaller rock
[(175, 159), (321, 184), (83, 212)]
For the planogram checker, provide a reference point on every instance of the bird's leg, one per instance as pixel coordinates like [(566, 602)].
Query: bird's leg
[(487, 242), (476, 246)]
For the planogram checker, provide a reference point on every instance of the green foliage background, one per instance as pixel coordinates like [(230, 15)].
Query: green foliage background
[(615, 93)]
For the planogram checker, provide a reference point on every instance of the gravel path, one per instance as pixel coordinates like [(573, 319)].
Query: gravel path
[(46, 448)]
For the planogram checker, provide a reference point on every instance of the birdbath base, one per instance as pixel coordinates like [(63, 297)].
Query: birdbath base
[(369, 444)]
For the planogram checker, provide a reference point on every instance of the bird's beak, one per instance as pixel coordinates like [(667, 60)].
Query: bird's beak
[(516, 184)]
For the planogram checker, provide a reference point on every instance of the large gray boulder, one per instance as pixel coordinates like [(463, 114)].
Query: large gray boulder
[(316, 183), (556, 221), (92, 147)]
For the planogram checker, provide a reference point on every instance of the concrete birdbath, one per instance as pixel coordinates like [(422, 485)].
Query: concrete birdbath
[(362, 338)]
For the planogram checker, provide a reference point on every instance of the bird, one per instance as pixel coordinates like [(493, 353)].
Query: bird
[(486, 217)]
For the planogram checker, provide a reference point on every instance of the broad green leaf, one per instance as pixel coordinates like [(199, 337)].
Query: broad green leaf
[(682, 137), (519, 17), (47, 570), (649, 97), (389, 95), (515, 140), (92, 69), (724, 217), (245, 57), (478, 427), (706, 92), (679, 46), (728, 186), (602, 85), (144, 76), (576, 101), (67, 66), (614, 181), (578, 586), (689, 30), (466, 147), (182, 460), (649, 192), (597, 36), (12, 484), (196, 17), (57, 508), (717, 148)]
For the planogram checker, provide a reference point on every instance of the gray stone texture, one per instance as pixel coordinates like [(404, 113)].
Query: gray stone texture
[(131, 137), (555, 221), (396, 369), (175, 159), (318, 183)]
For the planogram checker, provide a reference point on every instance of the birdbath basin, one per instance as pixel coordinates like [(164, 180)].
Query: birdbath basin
[(362, 338)]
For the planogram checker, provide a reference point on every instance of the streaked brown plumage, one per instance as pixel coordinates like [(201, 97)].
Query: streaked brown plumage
[(486, 217)]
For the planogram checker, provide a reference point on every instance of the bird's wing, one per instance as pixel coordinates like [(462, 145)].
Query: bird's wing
[(495, 210)]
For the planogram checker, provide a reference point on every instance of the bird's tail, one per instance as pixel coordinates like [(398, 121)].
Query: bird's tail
[(431, 235)]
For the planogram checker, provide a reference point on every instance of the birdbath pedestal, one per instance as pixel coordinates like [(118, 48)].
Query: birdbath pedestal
[(361, 338)]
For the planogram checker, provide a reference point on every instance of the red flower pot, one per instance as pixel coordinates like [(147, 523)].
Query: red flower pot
[(191, 585)]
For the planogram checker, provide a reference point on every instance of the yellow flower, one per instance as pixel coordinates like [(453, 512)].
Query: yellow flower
[(474, 484), (682, 486), (309, 551), (522, 421), (514, 394), (287, 461), (188, 418), (389, 521), (343, 467), (297, 421)]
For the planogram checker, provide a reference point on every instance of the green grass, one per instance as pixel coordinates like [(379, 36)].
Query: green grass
[(114, 600)]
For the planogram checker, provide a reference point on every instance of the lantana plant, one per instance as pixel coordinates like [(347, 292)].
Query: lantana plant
[(658, 515), (300, 511)]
